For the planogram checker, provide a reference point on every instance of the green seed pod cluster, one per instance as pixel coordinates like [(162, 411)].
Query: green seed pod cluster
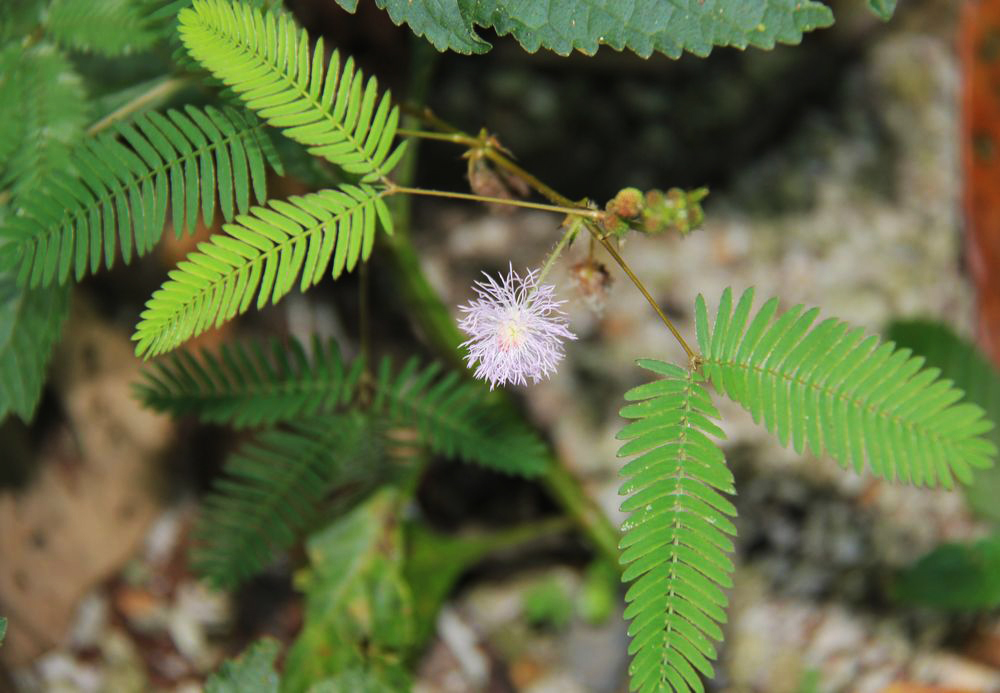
[(656, 211)]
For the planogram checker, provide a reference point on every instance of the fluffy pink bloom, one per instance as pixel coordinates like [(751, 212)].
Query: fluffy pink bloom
[(515, 329)]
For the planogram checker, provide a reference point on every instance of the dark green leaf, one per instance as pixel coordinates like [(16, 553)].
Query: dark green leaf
[(643, 26), (251, 672), (447, 24), (274, 488), (958, 577), (883, 8), (30, 325), (358, 613)]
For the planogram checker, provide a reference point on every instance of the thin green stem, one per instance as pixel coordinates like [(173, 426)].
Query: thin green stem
[(428, 116), (541, 188), (156, 94), (394, 189), (613, 252), (455, 138)]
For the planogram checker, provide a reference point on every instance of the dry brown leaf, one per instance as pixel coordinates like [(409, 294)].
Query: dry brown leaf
[(94, 496)]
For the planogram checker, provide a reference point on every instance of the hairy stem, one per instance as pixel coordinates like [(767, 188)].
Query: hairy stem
[(394, 189), (156, 94), (566, 239), (613, 252), (455, 138)]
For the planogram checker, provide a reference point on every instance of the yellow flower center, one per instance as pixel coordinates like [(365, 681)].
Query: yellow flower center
[(511, 334)]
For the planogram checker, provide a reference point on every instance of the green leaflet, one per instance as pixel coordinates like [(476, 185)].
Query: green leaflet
[(43, 111), (267, 61), (123, 187), (251, 672), (108, 27), (46, 116), (358, 614), (3, 629), (252, 384), (676, 538), (274, 487), (830, 388), (458, 419), (248, 385), (642, 26), (962, 362), (263, 253)]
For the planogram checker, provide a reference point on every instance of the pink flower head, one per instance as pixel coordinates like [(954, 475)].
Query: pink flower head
[(515, 329)]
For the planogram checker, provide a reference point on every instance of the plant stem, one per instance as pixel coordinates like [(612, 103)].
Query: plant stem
[(456, 138), (393, 189), (566, 239), (541, 188), (613, 252), (161, 92)]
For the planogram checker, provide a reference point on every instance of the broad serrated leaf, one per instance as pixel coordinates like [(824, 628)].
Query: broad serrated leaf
[(447, 24), (641, 26), (251, 672)]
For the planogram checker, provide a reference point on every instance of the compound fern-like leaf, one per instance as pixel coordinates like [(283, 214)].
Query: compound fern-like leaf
[(44, 111), (262, 254), (972, 373), (244, 385), (831, 388), (267, 60), (677, 535), (122, 189), (455, 418), (30, 324), (108, 27), (274, 488)]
